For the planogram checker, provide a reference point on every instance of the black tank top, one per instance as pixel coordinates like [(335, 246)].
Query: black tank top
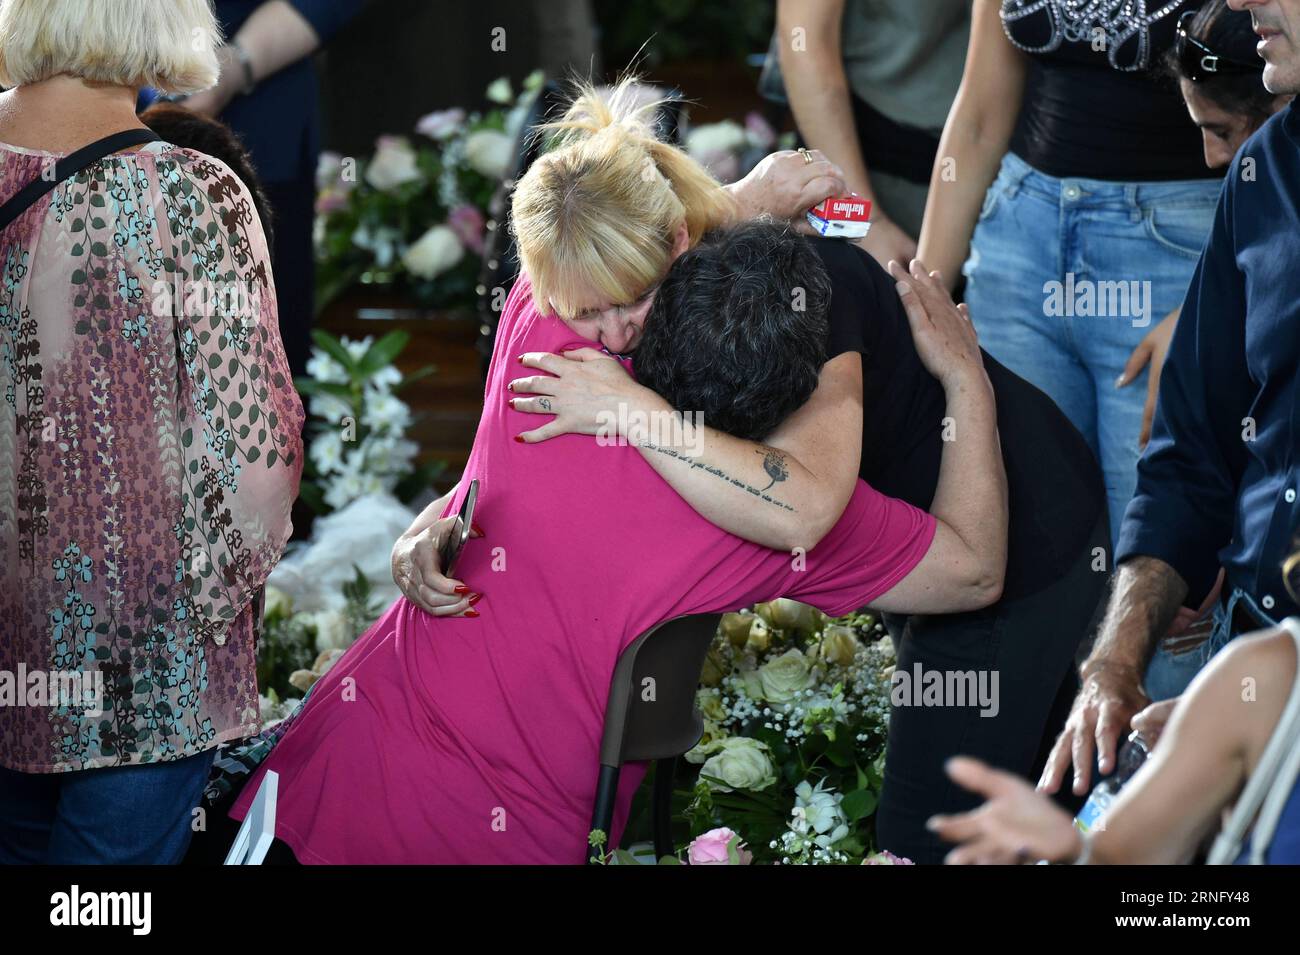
[(1098, 103), (1054, 484)]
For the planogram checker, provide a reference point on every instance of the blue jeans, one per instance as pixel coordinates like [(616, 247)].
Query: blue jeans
[(1168, 674), (122, 815), (1043, 283)]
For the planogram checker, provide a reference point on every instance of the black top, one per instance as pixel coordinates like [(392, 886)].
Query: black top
[(1055, 486), (1097, 103), (1219, 483)]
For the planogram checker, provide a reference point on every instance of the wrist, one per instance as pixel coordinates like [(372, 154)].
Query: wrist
[(1117, 668)]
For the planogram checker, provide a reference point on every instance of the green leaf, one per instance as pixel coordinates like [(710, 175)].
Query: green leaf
[(383, 352), (859, 804), (334, 348)]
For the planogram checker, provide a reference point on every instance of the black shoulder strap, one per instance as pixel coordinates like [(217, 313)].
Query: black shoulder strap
[(69, 166)]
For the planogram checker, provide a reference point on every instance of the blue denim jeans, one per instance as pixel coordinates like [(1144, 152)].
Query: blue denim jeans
[(1043, 283), (1169, 674), (122, 815)]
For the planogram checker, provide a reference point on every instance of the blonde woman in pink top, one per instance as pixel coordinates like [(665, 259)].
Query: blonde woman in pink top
[(453, 733)]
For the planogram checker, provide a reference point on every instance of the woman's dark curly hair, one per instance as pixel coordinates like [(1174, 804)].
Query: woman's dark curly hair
[(190, 130), (1229, 34), (737, 331)]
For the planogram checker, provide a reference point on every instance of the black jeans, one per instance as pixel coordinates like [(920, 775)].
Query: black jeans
[(1030, 643)]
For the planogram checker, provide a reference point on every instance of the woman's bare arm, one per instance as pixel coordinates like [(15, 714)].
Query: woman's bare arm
[(974, 141), (965, 567), (1204, 756), (785, 493)]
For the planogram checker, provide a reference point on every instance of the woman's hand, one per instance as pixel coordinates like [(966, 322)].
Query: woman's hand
[(1151, 722), (1153, 348), (784, 185), (585, 391), (1015, 826), (887, 241), (944, 336), (418, 573)]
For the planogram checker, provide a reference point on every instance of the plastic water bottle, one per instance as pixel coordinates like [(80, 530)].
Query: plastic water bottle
[(1131, 757)]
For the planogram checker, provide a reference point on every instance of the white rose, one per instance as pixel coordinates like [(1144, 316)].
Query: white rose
[(839, 645), (489, 152), (741, 763), (714, 138), (275, 602), (434, 253), (787, 614), (393, 164), (498, 90), (785, 677), (332, 631)]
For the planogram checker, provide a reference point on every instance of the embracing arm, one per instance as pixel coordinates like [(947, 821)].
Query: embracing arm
[(965, 567), (973, 143), (784, 494)]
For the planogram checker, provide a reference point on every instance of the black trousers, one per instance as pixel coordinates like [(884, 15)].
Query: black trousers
[(1031, 644), (292, 206)]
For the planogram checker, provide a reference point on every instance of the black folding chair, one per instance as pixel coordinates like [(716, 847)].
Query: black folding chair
[(651, 715)]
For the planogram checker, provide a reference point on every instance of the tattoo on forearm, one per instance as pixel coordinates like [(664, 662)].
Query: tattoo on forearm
[(773, 463)]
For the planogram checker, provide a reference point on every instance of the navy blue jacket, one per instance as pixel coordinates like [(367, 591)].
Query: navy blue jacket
[(1218, 482), (279, 121)]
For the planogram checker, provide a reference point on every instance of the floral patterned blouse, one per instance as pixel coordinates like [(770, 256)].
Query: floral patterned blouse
[(150, 451)]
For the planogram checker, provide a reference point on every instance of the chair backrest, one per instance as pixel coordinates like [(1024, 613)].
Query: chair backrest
[(651, 712)]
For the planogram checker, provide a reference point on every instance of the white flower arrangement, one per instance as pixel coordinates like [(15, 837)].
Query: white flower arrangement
[(796, 712), (358, 446)]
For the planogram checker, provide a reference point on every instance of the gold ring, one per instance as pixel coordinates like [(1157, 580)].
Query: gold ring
[(807, 156)]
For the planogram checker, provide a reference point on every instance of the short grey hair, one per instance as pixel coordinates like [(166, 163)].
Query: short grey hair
[(167, 44)]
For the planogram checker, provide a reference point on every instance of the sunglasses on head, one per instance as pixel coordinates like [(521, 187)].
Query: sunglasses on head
[(1198, 62)]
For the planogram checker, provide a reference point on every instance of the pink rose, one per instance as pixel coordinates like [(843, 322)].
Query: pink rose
[(761, 134), (712, 849), (330, 201), (467, 222), (441, 124), (886, 858)]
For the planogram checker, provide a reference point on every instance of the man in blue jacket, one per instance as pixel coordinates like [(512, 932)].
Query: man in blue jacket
[(268, 94), (1219, 480)]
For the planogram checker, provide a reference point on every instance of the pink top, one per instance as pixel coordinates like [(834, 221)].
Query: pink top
[(150, 449), (452, 740)]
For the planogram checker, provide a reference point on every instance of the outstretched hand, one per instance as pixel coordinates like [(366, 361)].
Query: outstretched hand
[(1014, 826)]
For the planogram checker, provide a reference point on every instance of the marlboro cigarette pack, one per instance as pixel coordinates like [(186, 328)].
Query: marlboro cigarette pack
[(847, 217)]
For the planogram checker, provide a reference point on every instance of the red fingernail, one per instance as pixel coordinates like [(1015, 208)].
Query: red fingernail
[(471, 612), (475, 599), (519, 438), (474, 526), (520, 359), (511, 402), (461, 590)]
